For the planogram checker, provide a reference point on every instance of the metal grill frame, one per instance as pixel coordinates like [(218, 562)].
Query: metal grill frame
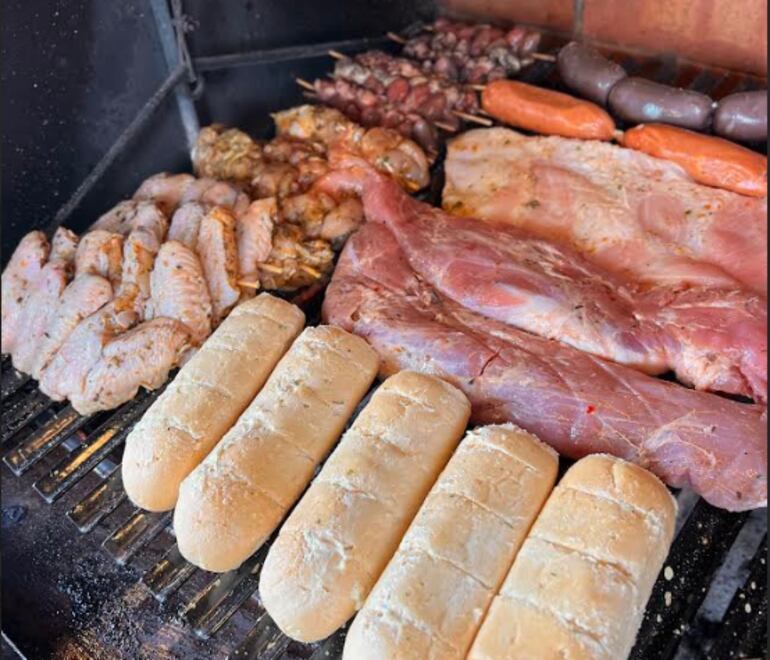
[(35, 427)]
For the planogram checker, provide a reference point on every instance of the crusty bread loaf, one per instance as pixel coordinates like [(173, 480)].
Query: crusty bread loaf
[(580, 583), (431, 598), (206, 398), (233, 501), (339, 538)]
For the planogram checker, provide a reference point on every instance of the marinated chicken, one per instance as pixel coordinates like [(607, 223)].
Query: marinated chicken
[(23, 269), (179, 290), (39, 311), (218, 252), (165, 190), (65, 376), (141, 357), (186, 223), (82, 297), (100, 252), (226, 154), (64, 245), (218, 193), (254, 233), (294, 260), (130, 214)]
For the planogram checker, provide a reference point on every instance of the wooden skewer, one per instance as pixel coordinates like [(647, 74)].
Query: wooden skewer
[(337, 55), (310, 95), (444, 127), (472, 118), (248, 284), (304, 83), (394, 37), (544, 57)]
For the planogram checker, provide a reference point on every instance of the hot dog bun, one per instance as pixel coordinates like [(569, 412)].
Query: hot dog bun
[(233, 501), (580, 583), (205, 399), (338, 539), (433, 594)]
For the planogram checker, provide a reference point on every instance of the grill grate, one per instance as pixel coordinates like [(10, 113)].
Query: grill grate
[(36, 427)]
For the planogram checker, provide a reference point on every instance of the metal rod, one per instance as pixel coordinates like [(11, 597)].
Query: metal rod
[(168, 41), (136, 532), (21, 412), (170, 573), (99, 503), (126, 137), (291, 53)]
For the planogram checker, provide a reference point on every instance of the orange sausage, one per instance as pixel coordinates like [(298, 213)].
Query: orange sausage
[(544, 111), (707, 159)]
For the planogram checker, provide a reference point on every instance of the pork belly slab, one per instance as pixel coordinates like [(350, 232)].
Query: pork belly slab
[(630, 213), (714, 339), (576, 402)]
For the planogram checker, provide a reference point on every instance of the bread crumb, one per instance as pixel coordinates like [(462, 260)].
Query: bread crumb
[(667, 598), (747, 607), (668, 573)]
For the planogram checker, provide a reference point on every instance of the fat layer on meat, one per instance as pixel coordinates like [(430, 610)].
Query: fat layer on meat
[(82, 297), (23, 269), (630, 213), (577, 403), (179, 291), (140, 357)]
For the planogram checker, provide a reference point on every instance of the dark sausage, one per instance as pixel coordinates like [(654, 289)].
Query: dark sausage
[(585, 70), (639, 101), (742, 116)]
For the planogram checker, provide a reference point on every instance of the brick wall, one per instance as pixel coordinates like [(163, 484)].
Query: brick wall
[(726, 33)]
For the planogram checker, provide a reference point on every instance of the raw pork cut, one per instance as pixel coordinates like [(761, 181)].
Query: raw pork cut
[(576, 402), (630, 213)]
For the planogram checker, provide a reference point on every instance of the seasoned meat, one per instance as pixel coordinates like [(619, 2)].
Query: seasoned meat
[(65, 376), (217, 193), (635, 215), (179, 290), (100, 252), (295, 261), (139, 252), (165, 189), (186, 223), (38, 312), (64, 245), (254, 233), (141, 357), (130, 214), (82, 297), (227, 154), (23, 269), (576, 402), (218, 254)]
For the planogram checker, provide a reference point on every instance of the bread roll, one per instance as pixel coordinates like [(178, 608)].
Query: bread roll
[(431, 598), (580, 583), (337, 541), (205, 399), (232, 502)]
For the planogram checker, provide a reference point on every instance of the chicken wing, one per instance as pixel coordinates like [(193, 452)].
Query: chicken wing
[(186, 223), (178, 290), (130, 214), (22, 270), (218, 193), (64, 244), (254, 232), (141, 357), (82, 297), (100, 252), (218, 253), (165, 189)]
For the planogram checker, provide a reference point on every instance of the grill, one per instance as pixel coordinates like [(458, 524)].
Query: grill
[(709, 602)]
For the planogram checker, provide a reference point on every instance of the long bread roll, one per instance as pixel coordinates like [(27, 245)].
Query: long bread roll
[(431, 598), (206, 398), (581, 581), (232, 502), (347, 526)]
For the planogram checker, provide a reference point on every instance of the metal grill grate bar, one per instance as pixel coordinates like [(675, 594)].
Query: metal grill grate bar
[(94, 449), (265, 641), (744, 628), (11, 380), (33, 448), (170, 573), (210, 609), (135, 533), (99, 503), (21, 411)]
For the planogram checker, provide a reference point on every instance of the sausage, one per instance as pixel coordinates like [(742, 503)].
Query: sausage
[(545, 111), (709, 160), (589, 73), (742, 116), (639, 101)]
